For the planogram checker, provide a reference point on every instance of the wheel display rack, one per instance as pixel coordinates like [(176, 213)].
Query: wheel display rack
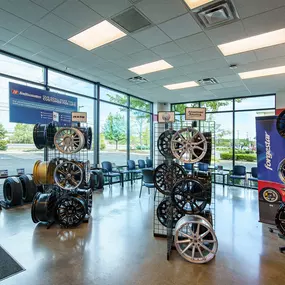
[(164, 226), (64, 174)]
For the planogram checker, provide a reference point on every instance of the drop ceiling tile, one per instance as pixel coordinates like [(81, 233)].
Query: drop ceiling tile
[(242, 58), (53, 55), (44, 60), (50, 4), (122, 73), (172, 80), (41, 36), (228, 78), (266, 22), (219, 72), (233, 84), (168, 50), (213, 87), (124, 62), (195, 42), (78, 14), (247, 8), (270, 52), (26, 44), (169, 73), (206, 54), (24, 9), (90, 58), (151, 37), (17, 51), (69, 48), (229, 90), (107, 52), (161, 10), (6, 35), (57, 26), (127, 45), (107, 8), (181, 27), (180, 60), (77, 64), (12, 23), (227, 33), (143, 57)]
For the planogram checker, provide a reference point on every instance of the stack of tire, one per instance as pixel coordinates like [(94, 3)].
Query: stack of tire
[(19, 190)]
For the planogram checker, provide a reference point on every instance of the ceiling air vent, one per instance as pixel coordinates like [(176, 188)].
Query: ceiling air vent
[(137, 80), (207, 81), (131, 20), (216, 14)]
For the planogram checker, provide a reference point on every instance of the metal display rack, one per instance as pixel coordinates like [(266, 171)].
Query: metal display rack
[(159, 230)]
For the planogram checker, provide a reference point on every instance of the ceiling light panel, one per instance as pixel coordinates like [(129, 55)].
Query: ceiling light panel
[(98, 35), (253, 43), (151, 67), (182, 85), (192, 4), (262, 72)]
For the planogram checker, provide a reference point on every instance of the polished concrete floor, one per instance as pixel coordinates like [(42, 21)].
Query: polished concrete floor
[(117, 246)]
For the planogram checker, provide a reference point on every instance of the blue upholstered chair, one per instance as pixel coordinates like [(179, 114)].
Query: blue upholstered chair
[(189, 167), (147, 180), (108, 171), (203, 167), (238, 173), (149, 163), (141, 164), (254, 176), (131, 168)]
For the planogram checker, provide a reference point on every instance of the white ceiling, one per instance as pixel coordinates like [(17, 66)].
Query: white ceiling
[(39, 29)]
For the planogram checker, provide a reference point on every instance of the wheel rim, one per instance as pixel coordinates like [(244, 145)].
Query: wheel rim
[(43, 172), (165, 177), (90, 203), (195, 239), (68, 175), (190, 196), (50, 134), (87, 171), (89, 138), (280, 219), (39, 136), (188, 145), (280, 124), (69, 140), (163, 213), (70, 211), (270, 195), (42, 207), (281, 169), (164, 143)]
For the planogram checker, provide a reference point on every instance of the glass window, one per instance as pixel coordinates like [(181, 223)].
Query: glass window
[(263, 102), (17, 149), (21, 69), (113, 134), (180, 108), (223, 152), (215, 106), (140, 104), (139, 135), (62, 81), (113, 96)]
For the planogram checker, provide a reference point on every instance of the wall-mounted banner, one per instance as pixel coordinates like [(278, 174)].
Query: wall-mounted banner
[(166, 117), (79, 117), (195, 114), (31, 106)]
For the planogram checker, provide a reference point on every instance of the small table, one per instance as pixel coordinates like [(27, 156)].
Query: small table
[(221, 173)]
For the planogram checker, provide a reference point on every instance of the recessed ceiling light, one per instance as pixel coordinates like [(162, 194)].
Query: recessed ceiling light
[(151, 67), (262, 72), (252, 43), (192, 4), (181, 85), (97, 36)]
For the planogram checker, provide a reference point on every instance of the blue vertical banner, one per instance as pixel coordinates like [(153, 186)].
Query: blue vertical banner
[(30, 105)]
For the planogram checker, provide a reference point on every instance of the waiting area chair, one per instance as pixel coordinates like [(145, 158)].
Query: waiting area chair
[(148, 180), (238, 173), (149, 163), (108, 171), (253, 176), (131, 168), (189, 167), (203, 167), (141, 164)]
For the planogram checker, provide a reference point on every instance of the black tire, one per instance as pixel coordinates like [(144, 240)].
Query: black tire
[(13, 191), (270, 195), (29, 188), (280, 219), (96, 180)]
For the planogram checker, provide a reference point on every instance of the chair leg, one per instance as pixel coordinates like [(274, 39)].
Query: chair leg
[(148, 191), (110, 180), (141, 190), (154, 194)]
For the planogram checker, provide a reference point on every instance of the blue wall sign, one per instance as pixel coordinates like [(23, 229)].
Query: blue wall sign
[(30, 105)]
